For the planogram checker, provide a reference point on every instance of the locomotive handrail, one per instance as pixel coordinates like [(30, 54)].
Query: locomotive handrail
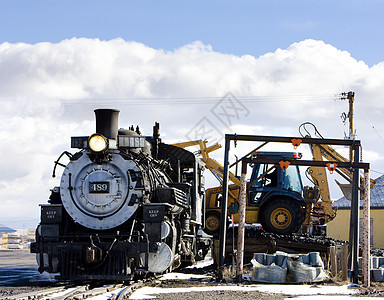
[(60, 164)]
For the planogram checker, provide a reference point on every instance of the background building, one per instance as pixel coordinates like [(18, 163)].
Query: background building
[(339, 227), (14, 239)]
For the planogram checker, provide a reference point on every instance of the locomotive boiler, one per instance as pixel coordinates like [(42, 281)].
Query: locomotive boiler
[(127, 205)]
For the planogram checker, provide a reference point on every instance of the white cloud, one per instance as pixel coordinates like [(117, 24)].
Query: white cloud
[(48, 93)]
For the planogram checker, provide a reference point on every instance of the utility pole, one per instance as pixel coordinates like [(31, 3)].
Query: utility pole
[(351, 98), (352, 136)]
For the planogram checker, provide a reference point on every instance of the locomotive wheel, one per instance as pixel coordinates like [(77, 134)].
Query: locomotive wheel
[(212, 222), (281, 216)]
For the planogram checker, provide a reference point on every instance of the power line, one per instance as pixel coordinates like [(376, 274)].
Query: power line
[(373, 127), (188, 100), (378, 172)]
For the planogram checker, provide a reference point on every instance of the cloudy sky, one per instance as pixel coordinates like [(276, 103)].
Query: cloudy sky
[(200, 68)]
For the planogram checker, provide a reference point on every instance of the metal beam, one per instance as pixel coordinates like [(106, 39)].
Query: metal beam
[(281, 139), (224, 205), (355, 220), (312, 163), (355, 165)]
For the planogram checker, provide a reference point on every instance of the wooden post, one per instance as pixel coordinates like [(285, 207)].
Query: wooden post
[(366, 231), (216, 251), (240, 236), (332, 260), (344, 263), (355, 209)]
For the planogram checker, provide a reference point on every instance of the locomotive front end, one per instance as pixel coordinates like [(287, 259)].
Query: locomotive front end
[(100, 188), (126, 205)]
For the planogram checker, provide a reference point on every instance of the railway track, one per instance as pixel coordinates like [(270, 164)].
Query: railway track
[(108, 291), (27, 283)]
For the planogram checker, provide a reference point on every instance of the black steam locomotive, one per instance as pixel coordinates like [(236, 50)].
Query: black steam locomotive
[(127, 205)]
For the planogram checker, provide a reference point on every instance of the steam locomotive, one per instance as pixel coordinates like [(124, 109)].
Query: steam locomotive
[(127, 205)]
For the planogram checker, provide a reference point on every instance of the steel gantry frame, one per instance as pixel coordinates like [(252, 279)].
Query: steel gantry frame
[(355, 165)]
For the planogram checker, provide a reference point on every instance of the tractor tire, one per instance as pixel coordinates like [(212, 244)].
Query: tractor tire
[(281, 216), (212, 222)]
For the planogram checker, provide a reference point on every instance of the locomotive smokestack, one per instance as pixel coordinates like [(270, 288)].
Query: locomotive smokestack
[(107, 122)]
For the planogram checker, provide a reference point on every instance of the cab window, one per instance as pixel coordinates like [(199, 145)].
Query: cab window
[(219, 198), (292, 180), (269, 180)]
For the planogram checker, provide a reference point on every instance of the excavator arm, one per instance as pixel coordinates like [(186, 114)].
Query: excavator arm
[(329, 153), (323, 209), (213, 165)]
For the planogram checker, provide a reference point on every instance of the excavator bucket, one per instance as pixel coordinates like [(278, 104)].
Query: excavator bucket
[(346, 189)]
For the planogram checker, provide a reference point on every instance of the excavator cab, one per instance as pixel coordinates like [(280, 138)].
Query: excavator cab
[(267, 178), (274, 197), (277, 193)]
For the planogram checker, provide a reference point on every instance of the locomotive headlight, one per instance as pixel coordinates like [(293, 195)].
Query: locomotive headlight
[(97, 142)]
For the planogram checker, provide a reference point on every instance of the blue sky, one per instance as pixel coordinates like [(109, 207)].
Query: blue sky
[(173, 62), (234, 27)]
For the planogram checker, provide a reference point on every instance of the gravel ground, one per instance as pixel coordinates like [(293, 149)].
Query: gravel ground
[(213, 295), (18, 274)]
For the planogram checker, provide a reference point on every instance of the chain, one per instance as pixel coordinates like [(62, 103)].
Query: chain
[(361, 153)]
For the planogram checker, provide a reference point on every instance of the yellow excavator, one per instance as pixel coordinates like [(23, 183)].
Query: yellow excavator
[(274, 195), (275, 198)]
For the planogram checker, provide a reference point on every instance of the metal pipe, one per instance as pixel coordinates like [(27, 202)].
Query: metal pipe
[(249, 153)]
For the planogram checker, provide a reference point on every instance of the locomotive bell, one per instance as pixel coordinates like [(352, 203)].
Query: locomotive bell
[(107, 122)]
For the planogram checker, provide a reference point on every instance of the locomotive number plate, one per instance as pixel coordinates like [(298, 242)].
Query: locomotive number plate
[(99, 187)]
